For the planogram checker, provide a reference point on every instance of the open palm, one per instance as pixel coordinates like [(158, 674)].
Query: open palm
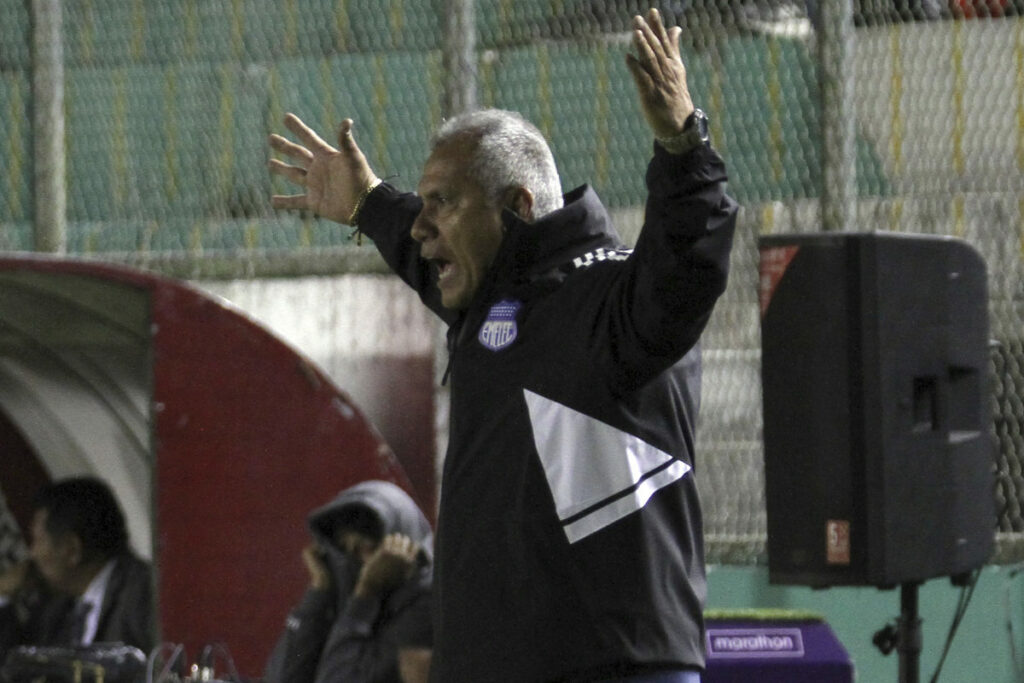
[(334, 178)]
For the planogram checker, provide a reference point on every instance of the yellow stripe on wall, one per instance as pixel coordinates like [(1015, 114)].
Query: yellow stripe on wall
[(547, 118), (138, 29), (716, 100), (291, 34), (306, 231), (86, 32), (170, 132), (396, 20), (505, 18), (896, 98), (959, 220), (16, 151), (959, 123), (191, 29), (767, 218), (380, 107), (237, 29), (601, 112), (119, 145), (330, 113), (275, 106), (1018, 49), (775, 105), (251, 236), (896, 214), (342, 25), (435, 78), (226, 162), (1020, 226), (277, 184), (487, 87)]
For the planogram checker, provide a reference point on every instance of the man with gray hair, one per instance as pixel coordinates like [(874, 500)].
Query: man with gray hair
[(569, 543), (510, 152)]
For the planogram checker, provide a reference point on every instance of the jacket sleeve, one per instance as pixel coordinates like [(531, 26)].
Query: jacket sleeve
[(11, 629), (667, 289), (386, 218), (351, 651), (365, 639), (127, 613), (296, 655)]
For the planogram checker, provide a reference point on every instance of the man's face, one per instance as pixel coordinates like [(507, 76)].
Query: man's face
[(53, 555), (459, 228)]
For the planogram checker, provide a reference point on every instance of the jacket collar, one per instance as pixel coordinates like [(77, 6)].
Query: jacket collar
[(531, 250), (537, 254)]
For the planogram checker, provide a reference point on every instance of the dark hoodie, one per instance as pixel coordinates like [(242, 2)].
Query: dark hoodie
[(331, 635)]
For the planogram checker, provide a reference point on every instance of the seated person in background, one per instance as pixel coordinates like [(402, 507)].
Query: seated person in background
[(82, 583), (366, 614)]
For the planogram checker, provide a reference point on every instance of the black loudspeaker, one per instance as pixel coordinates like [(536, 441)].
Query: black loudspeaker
[(878, 456)]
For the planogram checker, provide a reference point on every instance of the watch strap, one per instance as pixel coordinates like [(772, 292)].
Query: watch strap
[(694, 133)]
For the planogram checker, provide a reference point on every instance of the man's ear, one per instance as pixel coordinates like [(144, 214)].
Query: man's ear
[(522, 203)]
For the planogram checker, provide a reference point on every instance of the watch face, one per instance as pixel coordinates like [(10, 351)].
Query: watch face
[(701, 120)]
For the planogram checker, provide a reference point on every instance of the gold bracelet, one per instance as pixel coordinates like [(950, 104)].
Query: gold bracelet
[(362, 198)]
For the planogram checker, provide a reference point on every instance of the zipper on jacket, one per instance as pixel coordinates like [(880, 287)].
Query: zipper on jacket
[(453, 332)]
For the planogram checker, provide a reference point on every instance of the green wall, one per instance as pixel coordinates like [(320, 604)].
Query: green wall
[(981, 653)]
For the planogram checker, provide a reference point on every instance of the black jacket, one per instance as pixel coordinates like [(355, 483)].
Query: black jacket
[(330, 635), (126, 615), (569, 540)]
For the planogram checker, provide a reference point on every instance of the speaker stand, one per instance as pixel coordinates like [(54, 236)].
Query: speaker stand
[(905, 636)]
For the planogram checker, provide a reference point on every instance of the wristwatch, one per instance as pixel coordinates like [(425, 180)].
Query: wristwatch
[(695, 132)]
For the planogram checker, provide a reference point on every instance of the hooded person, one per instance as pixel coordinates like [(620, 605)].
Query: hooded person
[(366, 614)]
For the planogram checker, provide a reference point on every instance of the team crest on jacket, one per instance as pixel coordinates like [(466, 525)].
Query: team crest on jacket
[(500, 329)]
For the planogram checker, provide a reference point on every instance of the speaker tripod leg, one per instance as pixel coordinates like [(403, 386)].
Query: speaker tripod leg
[(908, 634)]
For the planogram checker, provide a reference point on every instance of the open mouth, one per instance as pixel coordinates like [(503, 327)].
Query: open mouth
[(444, 269)]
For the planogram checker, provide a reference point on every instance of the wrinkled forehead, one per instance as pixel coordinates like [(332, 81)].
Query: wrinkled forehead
[(448, 164)]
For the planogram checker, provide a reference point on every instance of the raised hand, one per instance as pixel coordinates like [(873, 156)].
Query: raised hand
[(319, 574), (391, 565), (660, 75), (334, 178)]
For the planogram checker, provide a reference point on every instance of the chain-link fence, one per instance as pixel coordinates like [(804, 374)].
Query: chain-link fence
[(167, 105)]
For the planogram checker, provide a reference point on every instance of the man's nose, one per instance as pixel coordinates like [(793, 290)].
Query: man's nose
[(423, 228)]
